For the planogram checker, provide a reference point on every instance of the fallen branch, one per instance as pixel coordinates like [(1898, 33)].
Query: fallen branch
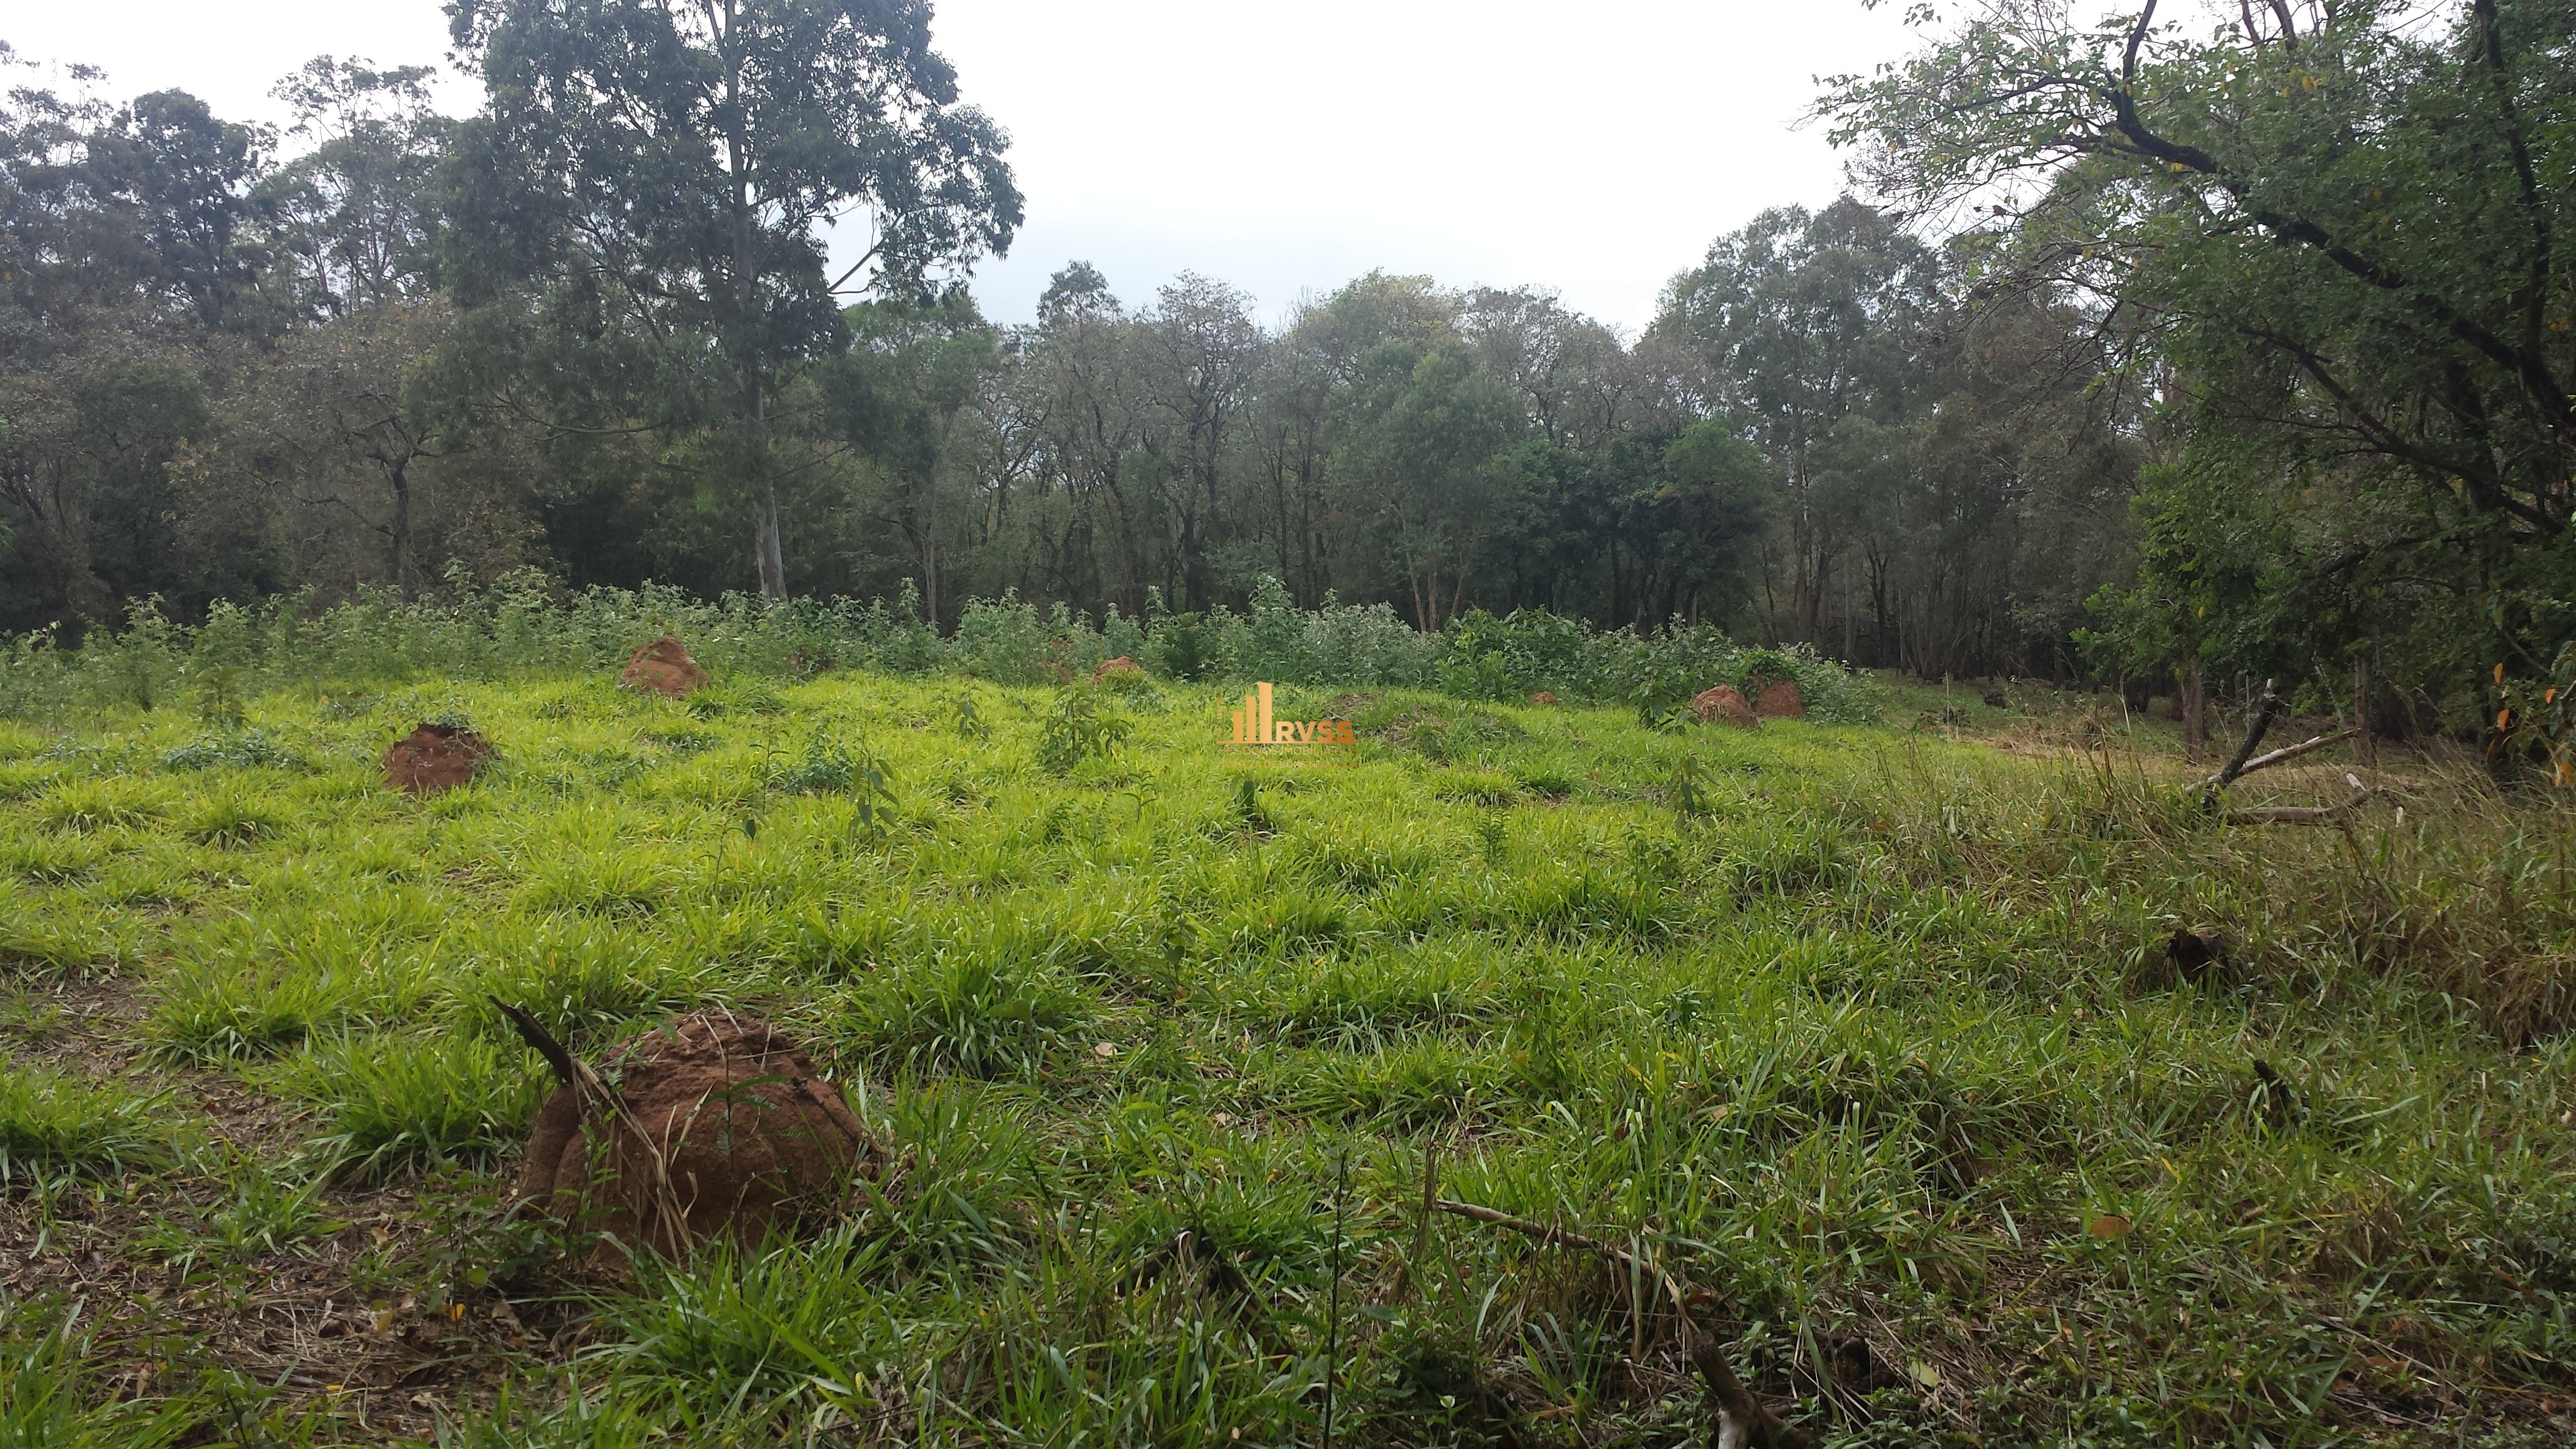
[(1743, 1420), (2264, 711), (2282, 755), (2306, 814)]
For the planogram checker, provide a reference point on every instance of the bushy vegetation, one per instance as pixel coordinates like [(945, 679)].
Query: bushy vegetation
[(1869, 1031), (523, 628)]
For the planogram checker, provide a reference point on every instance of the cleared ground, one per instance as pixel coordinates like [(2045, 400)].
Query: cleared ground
[(1869, 1031)]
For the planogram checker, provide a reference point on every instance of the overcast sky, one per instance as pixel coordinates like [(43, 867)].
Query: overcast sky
[(1285, 148)]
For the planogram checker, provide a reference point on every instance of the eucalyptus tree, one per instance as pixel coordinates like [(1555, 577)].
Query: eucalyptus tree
[(1425, 454), (1201, 349), (355, 214), (669, 169), (1807, 320)]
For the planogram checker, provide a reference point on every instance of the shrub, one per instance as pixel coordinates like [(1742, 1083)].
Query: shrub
[(1078, 729)]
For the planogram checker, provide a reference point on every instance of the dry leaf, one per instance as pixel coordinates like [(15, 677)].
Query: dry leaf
[(2110, 1226), (1105, 1050)]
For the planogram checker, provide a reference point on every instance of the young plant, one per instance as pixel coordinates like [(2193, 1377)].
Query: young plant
[(1078, 729)]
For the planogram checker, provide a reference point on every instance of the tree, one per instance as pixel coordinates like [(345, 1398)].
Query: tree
[(356, 215), (1427, 430), (2339, 236), (687, 155), (1805, 321)]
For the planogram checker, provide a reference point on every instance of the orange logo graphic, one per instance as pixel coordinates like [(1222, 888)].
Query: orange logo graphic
[(1254, 725)]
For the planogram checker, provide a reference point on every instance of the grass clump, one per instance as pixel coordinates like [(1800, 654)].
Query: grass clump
[(396, 1103), (967, 1011), (56, 1126), (48, 1399), (217, 1012), (249, 749)]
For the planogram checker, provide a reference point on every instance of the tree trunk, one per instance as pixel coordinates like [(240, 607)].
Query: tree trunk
[(2195, 713), (403, 579), (2366, 748)]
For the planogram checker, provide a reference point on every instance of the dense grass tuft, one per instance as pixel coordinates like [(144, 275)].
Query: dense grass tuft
[(52, 1125), (396, 1103)]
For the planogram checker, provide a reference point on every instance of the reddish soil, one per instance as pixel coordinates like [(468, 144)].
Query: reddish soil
[(1725, 705), (663, 667), (1120, 665), (748, 1134), (434, 757), (1780, 701)]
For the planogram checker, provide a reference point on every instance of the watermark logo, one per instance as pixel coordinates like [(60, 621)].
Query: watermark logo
[(1256, 728)]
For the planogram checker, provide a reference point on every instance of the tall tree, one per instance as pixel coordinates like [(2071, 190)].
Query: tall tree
[(2339, 235), (1807, 320), (690, 153)]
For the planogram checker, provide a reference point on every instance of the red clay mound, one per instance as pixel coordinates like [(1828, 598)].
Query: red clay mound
[(1780, 701), (749, 1138), (663, 667), (1120, 665), (434, 757), (1724, 705)]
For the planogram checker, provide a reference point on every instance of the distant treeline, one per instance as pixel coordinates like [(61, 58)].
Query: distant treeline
[(2175, 358), (237, 364)]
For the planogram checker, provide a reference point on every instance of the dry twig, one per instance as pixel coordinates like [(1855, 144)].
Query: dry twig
[(1743, 1420)]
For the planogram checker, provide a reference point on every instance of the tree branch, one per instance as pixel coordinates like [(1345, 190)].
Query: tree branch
[(1743, 1418)]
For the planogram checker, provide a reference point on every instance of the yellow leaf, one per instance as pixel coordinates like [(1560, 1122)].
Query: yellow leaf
[(2110, 1227), (2499, 674), (2503, 716), (1924, 1374)]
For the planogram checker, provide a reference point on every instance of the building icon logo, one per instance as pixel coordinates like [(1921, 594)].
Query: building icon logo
[(1255, 727)]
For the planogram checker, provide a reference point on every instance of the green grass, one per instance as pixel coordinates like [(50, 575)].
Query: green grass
[(1865, 1029), (48, 1402), (55, 1126), (398, 1102)]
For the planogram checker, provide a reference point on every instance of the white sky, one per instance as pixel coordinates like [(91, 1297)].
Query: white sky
[(1285, 148)]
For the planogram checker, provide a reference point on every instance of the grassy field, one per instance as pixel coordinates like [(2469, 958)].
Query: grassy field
[(1866, 1030)]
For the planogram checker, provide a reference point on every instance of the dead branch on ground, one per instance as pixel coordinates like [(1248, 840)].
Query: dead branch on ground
[(1744, 1422)]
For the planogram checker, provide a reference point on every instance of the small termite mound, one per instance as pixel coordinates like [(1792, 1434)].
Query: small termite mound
[(1780, 701), (1725, 705), (434, 757), (663, 667)]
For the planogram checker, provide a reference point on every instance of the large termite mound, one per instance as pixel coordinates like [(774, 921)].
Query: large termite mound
[(1780, 701), (711, 1124), (1725, 705), (663, 667), (434, 757)]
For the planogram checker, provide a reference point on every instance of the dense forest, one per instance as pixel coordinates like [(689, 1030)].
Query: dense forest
[(2139, 350)]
